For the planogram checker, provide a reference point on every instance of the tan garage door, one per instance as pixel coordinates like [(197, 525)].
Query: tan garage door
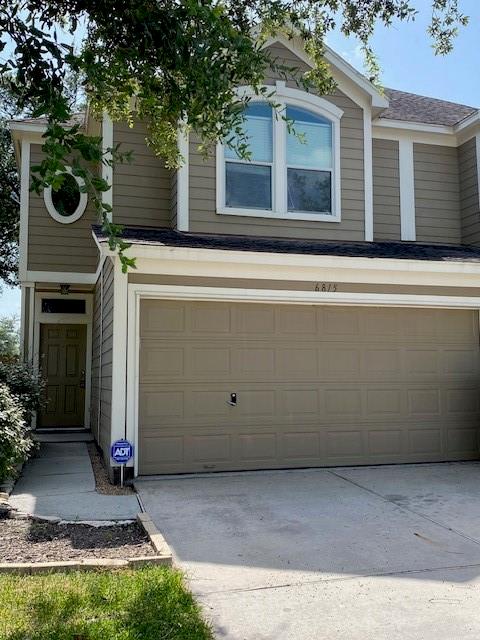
[(315, 386)]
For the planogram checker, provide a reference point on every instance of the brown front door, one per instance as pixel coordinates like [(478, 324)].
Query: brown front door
[(62, 362)]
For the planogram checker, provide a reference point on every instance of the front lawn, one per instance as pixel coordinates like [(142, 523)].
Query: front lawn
[(147, 604)]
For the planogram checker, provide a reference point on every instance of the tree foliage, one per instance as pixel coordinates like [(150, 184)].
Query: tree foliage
[(9, 194), (173, 61), (9, 338)]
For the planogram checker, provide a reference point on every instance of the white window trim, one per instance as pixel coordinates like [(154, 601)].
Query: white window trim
[(79, 211), (295, 97)]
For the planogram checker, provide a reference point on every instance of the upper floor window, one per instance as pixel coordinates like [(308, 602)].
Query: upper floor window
[(289, 174), (67, 203)]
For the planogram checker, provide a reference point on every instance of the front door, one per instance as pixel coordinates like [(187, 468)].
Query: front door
[(62, 362)]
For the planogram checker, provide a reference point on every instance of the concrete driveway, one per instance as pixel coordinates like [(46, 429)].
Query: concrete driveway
[(371, 553)]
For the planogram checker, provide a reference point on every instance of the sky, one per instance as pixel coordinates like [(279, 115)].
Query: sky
[(408, 63)]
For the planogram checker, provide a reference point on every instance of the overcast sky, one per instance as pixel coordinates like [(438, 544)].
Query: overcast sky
[(408, 63)]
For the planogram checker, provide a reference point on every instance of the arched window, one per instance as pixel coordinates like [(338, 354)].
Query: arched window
[(290, 174)]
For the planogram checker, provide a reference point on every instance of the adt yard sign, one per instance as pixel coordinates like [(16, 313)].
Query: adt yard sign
[(121, 451)]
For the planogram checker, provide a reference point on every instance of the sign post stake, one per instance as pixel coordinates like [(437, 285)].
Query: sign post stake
[(121, 452)]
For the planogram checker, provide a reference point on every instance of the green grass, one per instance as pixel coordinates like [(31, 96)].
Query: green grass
[(151, 603)]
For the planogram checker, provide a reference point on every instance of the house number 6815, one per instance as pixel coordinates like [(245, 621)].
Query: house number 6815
[(326, 286)]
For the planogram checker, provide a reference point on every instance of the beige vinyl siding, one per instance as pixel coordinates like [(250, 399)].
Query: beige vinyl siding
[(141, 189), (53, 246), (102, 342), (437, 196), (202, 200), (386, 190), (469, 202)]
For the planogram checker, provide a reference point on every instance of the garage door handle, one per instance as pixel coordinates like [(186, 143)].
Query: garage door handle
[(233, 400)]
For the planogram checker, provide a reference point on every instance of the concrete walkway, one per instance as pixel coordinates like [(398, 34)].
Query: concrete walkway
[(59, 483), (379, 553)]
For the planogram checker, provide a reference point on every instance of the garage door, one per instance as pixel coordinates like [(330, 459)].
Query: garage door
[(313, 386)]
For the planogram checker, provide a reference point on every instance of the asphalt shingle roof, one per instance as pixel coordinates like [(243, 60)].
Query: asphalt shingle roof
[(411, 107), (396, 250)]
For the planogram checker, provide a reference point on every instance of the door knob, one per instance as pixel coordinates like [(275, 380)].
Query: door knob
[(233, 400), (82, 380)]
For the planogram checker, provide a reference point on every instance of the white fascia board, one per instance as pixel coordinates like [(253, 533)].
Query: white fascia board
[(387, 123), (61, 277), (378, 100), (183, 261), (420, 137), (296, 47), (469, 121), (26, 127)]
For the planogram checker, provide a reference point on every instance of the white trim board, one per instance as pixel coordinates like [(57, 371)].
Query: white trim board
[(477, 153), (107, 171), (65, 318), (24, 210), (368, 173), (138, 292), (119, 351), (167, 260), (183, 182), (407, 190)]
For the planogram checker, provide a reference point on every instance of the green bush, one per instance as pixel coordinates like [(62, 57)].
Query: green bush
[(15, 443), (25, 384)]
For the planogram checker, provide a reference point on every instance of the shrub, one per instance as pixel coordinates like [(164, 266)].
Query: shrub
[(25, 384), (15, 443)]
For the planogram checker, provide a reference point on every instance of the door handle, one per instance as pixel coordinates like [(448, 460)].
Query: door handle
[(233, 400), (82, 380)]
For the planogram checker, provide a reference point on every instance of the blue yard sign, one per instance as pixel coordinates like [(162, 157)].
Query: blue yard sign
[(121, 451)]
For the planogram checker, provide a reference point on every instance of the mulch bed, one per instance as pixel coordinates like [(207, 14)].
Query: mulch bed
[(102, 482), (34, 541)]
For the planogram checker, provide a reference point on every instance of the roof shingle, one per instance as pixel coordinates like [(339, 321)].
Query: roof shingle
[(396, 250), (411, 107)]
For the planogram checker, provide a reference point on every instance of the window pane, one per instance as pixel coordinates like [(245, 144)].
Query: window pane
[(62, 305), (309, 190), (315, 150), (258, 129), (248, 186), (67, 198)]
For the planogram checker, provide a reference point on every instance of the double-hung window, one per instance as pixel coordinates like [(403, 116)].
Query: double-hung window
[(292, 172), (249, 183)]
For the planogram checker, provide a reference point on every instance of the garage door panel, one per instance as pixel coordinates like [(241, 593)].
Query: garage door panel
[(169, 318), (315, 386), (340, 321), (425, 441), (424, 402), (460, 363), (463, 441)]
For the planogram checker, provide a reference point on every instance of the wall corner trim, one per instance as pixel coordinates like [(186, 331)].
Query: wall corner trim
[(119, 351), (407, 190), (183, 187), (107, 170), (477, 149), (368, 173), (24, 209)]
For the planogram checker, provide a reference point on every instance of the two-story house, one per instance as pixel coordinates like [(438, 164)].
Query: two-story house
[(317, 305)]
